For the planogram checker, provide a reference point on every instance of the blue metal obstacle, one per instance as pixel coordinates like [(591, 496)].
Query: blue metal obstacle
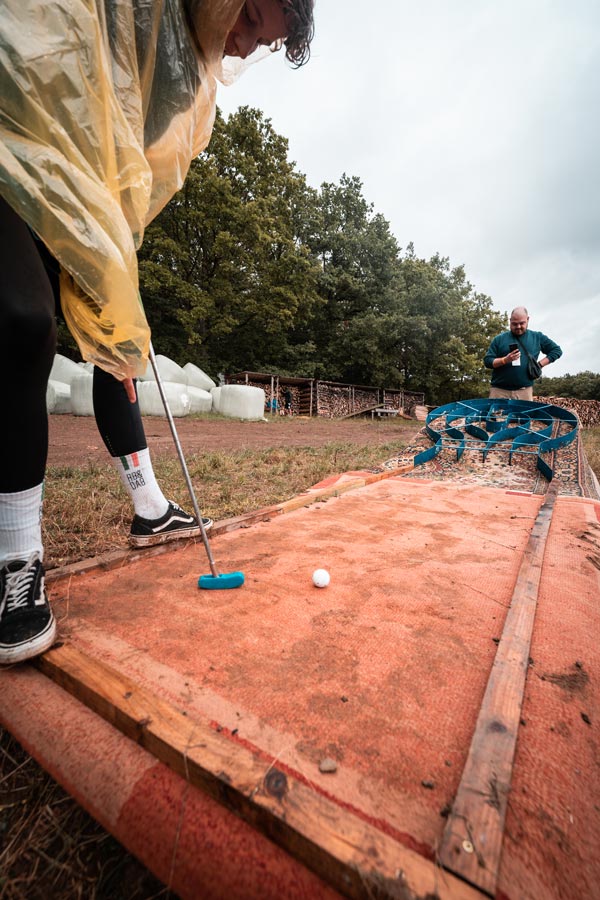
[(483, 425)]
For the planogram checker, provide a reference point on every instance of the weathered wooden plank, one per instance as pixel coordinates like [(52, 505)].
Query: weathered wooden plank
[(356, 858), (472, 842)]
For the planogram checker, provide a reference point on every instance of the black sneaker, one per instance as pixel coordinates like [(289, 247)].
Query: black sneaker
[(173, 525), (27, 625)]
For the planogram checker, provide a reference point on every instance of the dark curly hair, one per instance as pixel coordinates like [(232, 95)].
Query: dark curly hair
[(299, 14)]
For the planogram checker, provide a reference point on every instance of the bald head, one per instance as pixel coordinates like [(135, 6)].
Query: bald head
[(519, 319)]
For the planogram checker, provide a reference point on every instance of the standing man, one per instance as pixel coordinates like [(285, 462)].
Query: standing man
[(509, 353)]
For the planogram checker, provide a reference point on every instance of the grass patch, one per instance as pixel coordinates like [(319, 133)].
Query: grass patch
[(591, 444), (87, 512)]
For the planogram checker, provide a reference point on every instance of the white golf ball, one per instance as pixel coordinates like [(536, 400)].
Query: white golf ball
[(321, 578)]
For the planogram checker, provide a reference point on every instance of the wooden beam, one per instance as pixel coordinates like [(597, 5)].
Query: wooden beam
[(356, 858), (359, 412), (472, 843)]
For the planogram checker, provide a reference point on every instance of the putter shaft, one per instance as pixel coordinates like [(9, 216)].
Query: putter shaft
[(183, 463)]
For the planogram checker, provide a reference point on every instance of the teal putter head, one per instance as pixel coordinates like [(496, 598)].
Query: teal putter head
[(222, 582)]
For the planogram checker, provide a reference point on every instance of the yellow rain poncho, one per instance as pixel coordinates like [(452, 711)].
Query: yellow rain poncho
[(103, 105)]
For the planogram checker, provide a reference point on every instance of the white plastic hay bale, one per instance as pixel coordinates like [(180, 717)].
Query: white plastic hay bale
[(64, 369), (58, 398), (152, 405), (50, 397), (82, 403), (216, 399), (197, 378), (200, 401), (167, 369), (239, 401), (63, 399)]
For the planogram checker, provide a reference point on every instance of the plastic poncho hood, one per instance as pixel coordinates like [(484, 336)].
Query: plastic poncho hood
[(103, 105)]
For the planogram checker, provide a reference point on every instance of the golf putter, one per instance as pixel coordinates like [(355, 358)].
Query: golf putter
[(214, 581)]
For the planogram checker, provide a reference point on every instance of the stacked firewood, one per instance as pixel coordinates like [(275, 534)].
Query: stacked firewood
[(588, 411), (338, 400), (330, 399), (412, 399), (419, 412)]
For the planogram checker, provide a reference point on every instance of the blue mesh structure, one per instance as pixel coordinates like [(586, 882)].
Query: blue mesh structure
[(483, 425)]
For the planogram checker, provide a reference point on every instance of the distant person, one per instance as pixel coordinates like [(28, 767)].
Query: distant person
[(287, 402), (97, 135), (509, 354)]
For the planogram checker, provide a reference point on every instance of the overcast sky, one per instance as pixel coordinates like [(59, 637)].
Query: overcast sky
[(474, 126)]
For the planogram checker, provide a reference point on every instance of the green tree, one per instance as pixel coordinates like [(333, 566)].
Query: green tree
[(391, 319), (250, 268), (583, 386), (447, 327), (224, 274), (358, 258)]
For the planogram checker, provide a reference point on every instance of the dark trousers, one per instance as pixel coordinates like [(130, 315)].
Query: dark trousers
[(29, 305)]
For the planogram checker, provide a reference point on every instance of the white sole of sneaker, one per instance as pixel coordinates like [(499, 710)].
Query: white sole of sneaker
[(151, 540), (31, 648)]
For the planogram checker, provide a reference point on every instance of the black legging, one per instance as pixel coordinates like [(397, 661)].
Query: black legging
[(29, 302)]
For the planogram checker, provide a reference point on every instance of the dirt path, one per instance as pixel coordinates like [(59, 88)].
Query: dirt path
[(74, 440)]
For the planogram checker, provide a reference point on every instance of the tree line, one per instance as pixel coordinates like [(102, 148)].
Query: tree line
[(250, 268), (583, 386)]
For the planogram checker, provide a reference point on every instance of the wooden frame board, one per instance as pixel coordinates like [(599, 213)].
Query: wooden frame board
[(472, 843), (359, 860)]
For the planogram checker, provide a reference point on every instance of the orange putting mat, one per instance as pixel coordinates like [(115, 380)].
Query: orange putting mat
[(377, 679)]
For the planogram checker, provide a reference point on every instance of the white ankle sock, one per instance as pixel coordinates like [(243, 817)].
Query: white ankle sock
[(21, 524), (140, 483)]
